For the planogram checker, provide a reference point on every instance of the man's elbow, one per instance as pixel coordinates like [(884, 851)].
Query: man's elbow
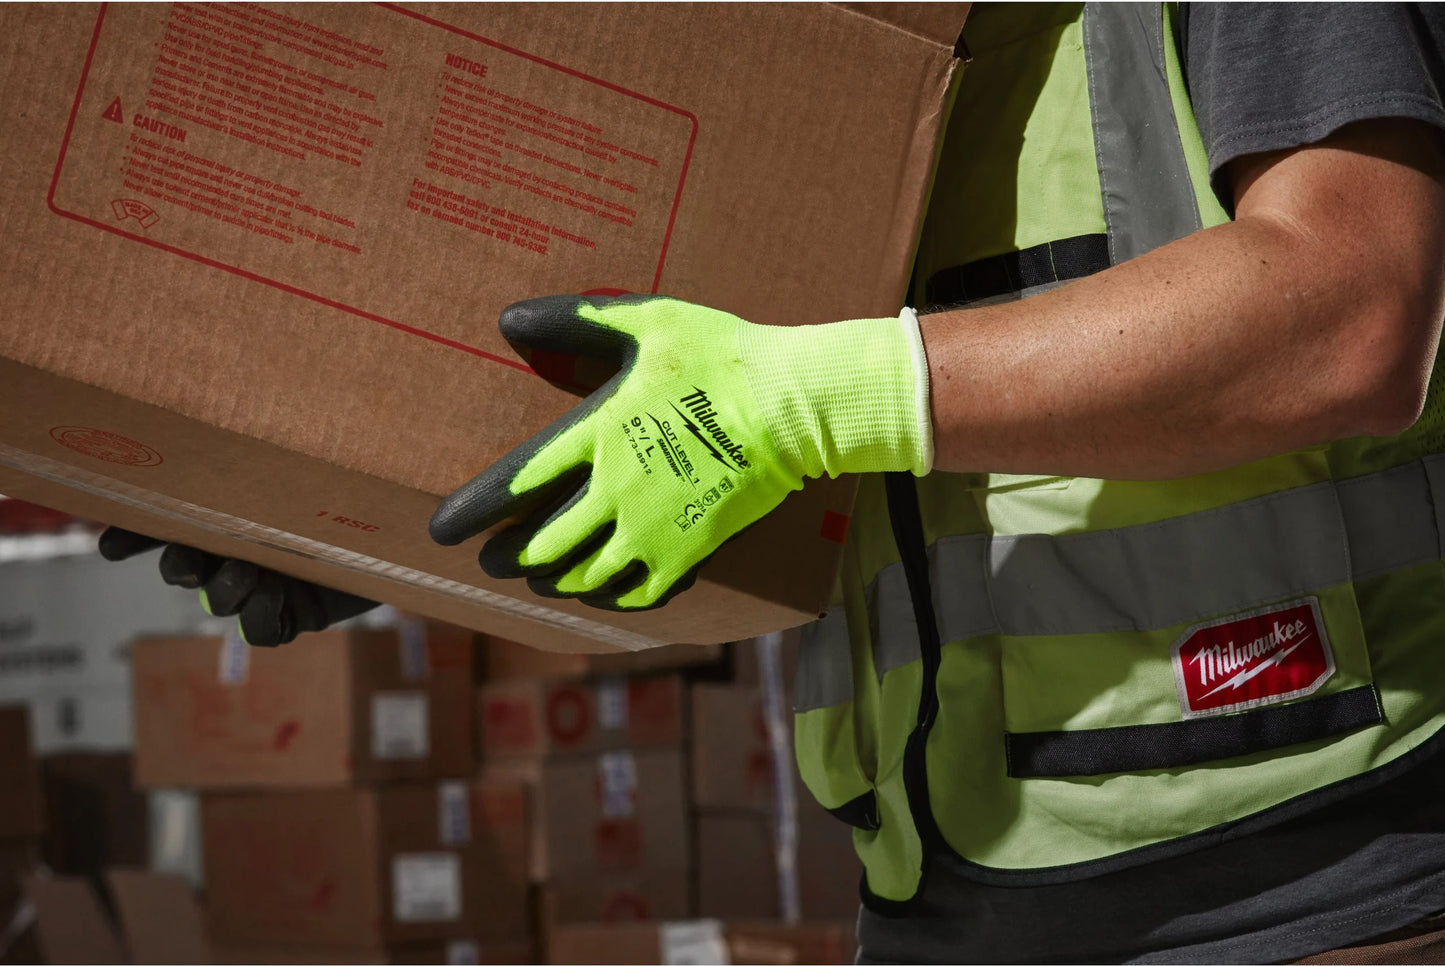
[(1385, 374)]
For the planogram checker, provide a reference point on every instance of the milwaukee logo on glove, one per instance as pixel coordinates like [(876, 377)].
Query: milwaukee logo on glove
[(701, 407), (1262, 658)]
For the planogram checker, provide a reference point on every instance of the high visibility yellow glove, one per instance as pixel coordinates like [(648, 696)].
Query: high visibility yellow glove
[(708, 424)]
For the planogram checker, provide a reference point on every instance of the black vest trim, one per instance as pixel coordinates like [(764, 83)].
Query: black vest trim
[(1055, 261), (860, 812), (1180, 744)]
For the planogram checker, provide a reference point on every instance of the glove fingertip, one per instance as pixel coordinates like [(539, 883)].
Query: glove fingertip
[(116, 544), (521, 322), (468, 511)]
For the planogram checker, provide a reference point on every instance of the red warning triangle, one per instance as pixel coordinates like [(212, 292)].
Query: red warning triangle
[(112, 113)]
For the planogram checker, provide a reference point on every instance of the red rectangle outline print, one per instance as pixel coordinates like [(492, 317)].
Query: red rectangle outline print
[(413, 330)]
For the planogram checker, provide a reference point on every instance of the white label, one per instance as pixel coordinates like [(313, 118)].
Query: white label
[(235, 666), (399, 725), (612, 704), (463, 952), (455, 814), (415, 658), (617, 780), (426, 887), (693, 942)]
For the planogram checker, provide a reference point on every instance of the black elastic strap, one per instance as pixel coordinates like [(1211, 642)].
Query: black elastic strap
[(861, 812), (1055, 261), (1105, 751)]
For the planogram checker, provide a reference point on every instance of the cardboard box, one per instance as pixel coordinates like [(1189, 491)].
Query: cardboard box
[(732, 761), (615, 836), (69, 922), (504, 660), (21, 811), (256, 313), (334, 707), (159, 917), (95, 816), (829, 873), (450, 953), (737, 869), (813, 941), (702, 941), (357, 867), (536, 718)]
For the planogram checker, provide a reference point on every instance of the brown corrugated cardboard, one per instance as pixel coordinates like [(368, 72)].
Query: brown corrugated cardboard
[(829, 872), (616, 836), (502, 660), (69, 921), (749, 943), (732, 762), (737, 873), (536, 718), (21, 812), (818, 941), (356, 867), (95, 816), (253, 259), (159, 917), (402, 954), (333, 707)]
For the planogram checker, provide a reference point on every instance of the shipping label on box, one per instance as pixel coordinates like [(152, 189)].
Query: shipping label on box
[(426, 887)]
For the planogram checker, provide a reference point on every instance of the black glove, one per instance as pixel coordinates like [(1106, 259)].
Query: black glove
[(272, 607)]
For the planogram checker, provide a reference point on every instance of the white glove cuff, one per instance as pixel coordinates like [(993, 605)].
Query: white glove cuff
[(908, 319)]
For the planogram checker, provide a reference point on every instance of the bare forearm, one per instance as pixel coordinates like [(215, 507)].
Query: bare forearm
[(1250, 339)]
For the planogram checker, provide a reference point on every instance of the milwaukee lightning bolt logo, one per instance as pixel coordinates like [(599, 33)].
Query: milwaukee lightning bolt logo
[(717, 440), (1250, 660)]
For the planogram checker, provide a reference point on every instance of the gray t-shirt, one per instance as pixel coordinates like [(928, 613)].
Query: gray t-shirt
[(1262, 76)]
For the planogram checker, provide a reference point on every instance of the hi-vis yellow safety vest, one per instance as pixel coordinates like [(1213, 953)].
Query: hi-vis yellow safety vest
[(1054, 678)]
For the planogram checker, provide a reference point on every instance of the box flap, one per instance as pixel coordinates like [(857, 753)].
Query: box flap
[(72, 927), (159, 916), (938, 22)]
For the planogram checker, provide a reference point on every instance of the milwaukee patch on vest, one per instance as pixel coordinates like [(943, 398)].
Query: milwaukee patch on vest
[(1263, 657)]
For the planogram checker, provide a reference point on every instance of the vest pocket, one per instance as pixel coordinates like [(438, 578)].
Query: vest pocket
[(1241, 684), (1101, 751)]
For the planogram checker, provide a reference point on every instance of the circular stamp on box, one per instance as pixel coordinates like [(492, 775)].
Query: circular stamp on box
[(104, 445)]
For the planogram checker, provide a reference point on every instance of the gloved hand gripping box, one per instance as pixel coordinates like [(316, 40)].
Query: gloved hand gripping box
[(253, 257)]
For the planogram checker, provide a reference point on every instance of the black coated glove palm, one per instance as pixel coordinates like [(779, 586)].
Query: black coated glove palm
[(272, 608)]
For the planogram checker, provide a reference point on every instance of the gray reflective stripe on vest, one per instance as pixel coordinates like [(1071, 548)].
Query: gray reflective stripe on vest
[(1176, 571), (1148, 195), (824, 677)]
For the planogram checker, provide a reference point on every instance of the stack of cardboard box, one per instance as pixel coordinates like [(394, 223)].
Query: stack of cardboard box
[(340, 815), (601, 741), (736, 782)]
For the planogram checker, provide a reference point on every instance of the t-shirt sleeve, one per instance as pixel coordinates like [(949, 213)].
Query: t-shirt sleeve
[(1269, 76)]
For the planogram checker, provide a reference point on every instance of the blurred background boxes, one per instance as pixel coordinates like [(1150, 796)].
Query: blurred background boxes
[(340, 706), (537, 717), (354, 867)]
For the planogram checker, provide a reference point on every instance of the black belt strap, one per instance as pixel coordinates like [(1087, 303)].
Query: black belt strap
[(1055, 261)]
